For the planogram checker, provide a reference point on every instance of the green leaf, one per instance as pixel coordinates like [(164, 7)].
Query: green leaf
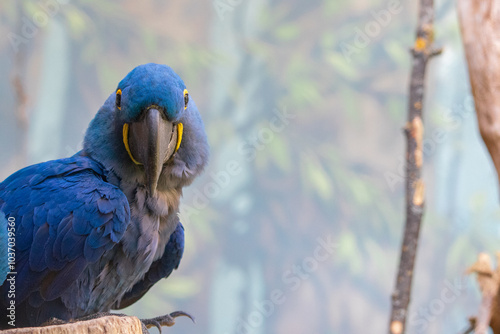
[(317, 178), (397, 52), (287, 32), (342, 65), (360, 191), (280, 153), (348, 252), (181, 287)]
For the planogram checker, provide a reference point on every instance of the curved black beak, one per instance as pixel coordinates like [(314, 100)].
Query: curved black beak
[(152, 142)]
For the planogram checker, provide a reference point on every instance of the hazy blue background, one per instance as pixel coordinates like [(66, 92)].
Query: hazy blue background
[(330, 168)]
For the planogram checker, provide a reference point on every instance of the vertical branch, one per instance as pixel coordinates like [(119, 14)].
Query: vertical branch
[(414, 130), (480, 26), (20, 92)]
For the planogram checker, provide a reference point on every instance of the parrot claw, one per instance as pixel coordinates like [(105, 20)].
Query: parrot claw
[(150, 323), (53, 322), (165, 320)]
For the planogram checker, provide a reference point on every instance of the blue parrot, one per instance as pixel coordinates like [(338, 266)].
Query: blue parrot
[(97, 230)]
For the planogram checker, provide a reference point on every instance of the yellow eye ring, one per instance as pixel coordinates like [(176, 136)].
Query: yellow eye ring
[(186, 98), (118, 101)]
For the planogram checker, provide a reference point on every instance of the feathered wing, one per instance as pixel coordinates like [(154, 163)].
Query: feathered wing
[(161, 268), (66, 216)]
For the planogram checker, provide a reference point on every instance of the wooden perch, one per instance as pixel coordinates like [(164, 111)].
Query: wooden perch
[(480, 26), (108, 325), (422, 52), (489, 281)]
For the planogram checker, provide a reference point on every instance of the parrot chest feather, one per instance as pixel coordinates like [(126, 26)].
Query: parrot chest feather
[(126, 264)]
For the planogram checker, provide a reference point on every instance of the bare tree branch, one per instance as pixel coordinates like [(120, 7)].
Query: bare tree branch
[(422, 51)]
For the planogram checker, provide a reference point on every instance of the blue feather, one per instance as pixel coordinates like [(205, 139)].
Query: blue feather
[(51, 236), (161, 268)]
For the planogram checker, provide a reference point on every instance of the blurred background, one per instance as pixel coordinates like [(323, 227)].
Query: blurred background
[(295, 227)]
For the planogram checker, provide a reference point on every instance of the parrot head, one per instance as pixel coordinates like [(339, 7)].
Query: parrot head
[(149, 130)]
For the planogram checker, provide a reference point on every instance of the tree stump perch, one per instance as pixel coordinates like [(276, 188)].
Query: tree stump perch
[(108, 325)]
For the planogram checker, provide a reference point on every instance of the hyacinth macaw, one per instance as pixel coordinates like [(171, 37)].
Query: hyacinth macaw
[(96, 230)]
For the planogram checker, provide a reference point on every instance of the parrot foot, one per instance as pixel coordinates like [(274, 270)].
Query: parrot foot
[(57, 321), (165, 320), (53, 322)]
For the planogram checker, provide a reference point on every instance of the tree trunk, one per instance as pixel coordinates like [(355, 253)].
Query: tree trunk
[(480, 26)]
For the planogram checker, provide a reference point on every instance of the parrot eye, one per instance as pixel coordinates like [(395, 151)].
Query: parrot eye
[(186, 98), (119, 99)]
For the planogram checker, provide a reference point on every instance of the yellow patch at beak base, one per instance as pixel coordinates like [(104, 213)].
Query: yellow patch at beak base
[(180, 128), (125, 142)]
